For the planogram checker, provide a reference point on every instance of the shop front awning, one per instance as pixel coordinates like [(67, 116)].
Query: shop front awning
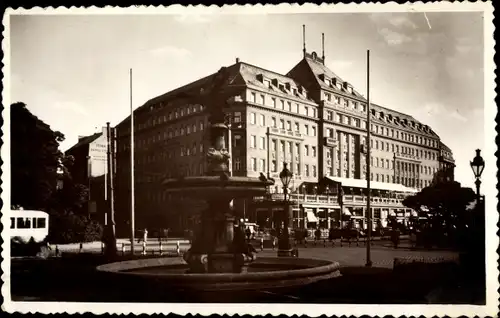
[(311, 218), (374, 185), (347, 212)]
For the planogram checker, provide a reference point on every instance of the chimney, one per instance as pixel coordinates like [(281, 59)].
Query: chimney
[(304, 39), (323, 46), (237, 60)]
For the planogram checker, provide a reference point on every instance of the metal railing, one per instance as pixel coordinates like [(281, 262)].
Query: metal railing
[(330, 199)]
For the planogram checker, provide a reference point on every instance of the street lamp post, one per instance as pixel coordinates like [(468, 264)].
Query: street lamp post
[(284, 242), (477, 166)]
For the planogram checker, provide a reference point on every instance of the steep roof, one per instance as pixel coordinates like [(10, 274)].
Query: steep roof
[(251, 73), (233, 78), (318, 68), (444, 147), (84, 141)]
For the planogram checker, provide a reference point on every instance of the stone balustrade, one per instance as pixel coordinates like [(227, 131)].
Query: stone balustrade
[(332, 199)]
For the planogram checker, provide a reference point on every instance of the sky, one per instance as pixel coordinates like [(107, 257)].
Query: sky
[(73, 71)]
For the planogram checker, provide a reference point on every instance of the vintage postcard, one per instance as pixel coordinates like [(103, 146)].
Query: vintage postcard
[(268, 159)]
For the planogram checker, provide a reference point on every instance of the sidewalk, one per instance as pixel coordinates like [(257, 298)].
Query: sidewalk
[(124, 243)]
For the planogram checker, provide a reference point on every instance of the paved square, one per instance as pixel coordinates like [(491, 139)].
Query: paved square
[(381, 256)]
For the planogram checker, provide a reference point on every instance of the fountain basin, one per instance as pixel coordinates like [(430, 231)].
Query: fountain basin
[(214, 186), (262, 273)]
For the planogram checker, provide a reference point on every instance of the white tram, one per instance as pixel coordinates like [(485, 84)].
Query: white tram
[(28, 226)]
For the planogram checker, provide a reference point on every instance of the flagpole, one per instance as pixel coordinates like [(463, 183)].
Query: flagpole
[(132, 181), (368, 153)]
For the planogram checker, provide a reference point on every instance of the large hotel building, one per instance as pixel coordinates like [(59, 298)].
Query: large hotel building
[(311, 119)]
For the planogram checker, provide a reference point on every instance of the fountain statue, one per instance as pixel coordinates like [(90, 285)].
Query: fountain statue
[(219, 258)]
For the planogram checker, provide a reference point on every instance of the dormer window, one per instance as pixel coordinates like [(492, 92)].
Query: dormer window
[(294, 91), (267, 83), (260, 78), (288, 86)]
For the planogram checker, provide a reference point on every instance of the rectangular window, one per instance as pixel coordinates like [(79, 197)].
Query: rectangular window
[(307, 170), (306, 150), (282, 123), (338, 118), (314, 171), (313, 148), (262, 99), (253, 141), (314, 130), (306, 130), (252, 118), (306, 111), (262, 120), (273, 166), (297, 127), (273, 101), (289, 125), (262, 144), (289, 106), (273, 122), (237, 117), (253, 97), (282, 104), (253, 164), (23, 223), (262, 165)]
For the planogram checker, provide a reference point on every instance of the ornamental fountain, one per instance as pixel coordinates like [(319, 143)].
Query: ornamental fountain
[(217, 259)]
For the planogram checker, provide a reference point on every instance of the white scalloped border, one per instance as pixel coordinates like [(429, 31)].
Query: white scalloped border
[(489, 181)]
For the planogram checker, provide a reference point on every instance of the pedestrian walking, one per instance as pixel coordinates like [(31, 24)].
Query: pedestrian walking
[(144, 236), (317, 235)]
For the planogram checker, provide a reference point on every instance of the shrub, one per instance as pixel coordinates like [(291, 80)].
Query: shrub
[(68, 227)]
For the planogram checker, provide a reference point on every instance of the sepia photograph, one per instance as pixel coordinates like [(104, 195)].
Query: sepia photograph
[(250, 159)]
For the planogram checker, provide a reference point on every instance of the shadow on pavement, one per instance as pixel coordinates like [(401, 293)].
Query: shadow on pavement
[(75, 279)]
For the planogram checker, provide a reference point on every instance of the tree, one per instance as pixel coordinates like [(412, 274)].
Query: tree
[(35, 159), (37, 165), (442, 203)]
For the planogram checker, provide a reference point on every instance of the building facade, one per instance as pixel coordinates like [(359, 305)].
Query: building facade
[(90, 168), (309, 118)]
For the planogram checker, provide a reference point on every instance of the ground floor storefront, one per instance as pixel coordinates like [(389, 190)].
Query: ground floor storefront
[(266, 214)]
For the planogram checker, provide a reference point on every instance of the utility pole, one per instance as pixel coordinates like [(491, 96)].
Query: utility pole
[(110, 226), (132, 181), (368, 207)]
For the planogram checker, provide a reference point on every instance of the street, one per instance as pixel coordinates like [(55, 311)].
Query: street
[(66, 279)]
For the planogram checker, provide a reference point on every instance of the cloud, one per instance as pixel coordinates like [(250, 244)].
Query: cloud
[(433, 109), (456, 115), (171, 51), (393, 37), (401, 21)]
